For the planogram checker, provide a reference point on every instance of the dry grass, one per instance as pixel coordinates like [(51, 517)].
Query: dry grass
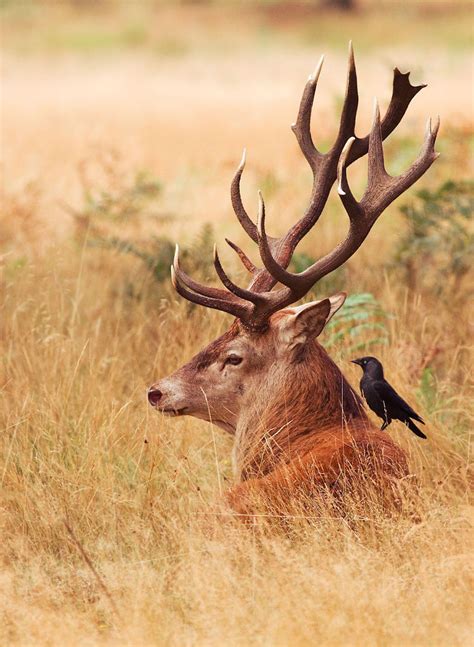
[(74, 422), (148, 562)]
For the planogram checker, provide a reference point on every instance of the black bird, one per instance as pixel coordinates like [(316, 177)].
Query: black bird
[(383, 399)]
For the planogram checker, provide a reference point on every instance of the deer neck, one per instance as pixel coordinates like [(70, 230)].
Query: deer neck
[(288, 413)]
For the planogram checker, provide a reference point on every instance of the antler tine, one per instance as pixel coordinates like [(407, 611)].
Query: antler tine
[(302, 126), (193, 285), (204, 295), (383, 190), (253, 297), (376, 166), (234, 309), (350, 105), (237, 203), (342, 184), (271, 265), (246, 262), (402, 94)]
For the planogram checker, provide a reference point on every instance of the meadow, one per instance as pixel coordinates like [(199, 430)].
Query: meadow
[(122, 126)]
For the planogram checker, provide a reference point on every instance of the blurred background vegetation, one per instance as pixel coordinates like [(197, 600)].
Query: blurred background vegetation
[(107, 25), (123, 122)]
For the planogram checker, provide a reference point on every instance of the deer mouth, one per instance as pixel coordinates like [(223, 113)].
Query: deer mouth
[(173, 412)]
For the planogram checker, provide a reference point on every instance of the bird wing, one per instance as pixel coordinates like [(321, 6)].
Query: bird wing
[(411, 425), (389, 395)]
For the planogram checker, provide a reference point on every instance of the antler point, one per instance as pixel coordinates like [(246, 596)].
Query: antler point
[(173, 277), (315, 76), (351, 55), (261, 215), (376, 110), (347, 145), (243, 160), (341, 165)]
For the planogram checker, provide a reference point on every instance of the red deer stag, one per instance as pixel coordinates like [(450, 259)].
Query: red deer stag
[(297, 424)]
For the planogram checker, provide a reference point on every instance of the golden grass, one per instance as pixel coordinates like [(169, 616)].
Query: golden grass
[(80, 448), (77, 357)]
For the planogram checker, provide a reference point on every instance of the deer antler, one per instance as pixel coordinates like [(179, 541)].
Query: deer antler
[(253, 306)]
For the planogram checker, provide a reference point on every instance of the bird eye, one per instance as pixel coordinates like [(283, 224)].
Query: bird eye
[(234, 360)]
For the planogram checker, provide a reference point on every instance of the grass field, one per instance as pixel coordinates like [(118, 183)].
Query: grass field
[(122, 126)]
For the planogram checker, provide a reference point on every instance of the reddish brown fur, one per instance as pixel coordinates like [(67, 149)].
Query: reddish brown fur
[(312, 407), (329, 438), (338, 463)]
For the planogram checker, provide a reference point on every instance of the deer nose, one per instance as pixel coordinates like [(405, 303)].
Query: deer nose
[(154, 396)]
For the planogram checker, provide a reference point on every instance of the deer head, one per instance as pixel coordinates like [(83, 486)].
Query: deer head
[(226, 376), (268, 368)]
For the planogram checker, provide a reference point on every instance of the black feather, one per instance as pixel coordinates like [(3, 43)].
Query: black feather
[(411, 425)]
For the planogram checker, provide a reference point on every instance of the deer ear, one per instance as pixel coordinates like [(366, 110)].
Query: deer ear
[(308, 320)]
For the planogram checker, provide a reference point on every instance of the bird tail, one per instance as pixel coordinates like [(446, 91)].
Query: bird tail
[(411, 425)]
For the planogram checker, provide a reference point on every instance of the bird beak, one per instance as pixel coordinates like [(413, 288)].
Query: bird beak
[(355, 361)]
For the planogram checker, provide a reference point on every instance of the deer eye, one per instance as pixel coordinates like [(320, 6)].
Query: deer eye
[(234, 360)]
